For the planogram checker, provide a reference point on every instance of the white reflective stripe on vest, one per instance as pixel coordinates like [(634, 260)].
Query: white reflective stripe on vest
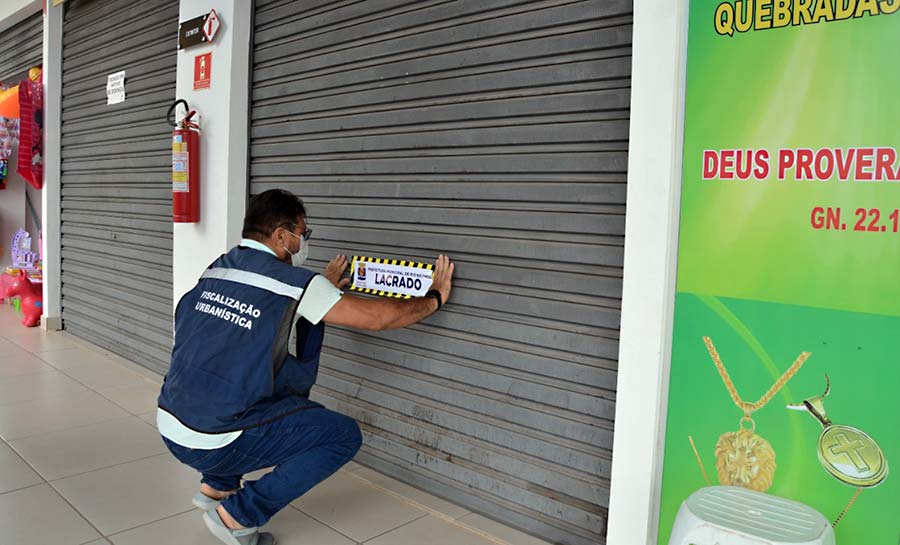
[(173, 430), (255, 280)]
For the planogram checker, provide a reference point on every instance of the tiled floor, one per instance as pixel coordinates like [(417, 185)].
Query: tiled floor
[(81, 463)]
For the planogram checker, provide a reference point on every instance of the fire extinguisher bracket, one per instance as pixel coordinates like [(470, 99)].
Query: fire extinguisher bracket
[(185, 165), (170, 115)]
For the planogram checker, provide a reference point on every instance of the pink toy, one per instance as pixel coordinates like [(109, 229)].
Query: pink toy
[(32, 299), (6, 280)]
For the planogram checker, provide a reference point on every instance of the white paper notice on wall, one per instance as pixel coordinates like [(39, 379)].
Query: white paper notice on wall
[(115, 88)]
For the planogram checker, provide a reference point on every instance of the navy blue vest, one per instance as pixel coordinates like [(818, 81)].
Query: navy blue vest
[(230, 367)]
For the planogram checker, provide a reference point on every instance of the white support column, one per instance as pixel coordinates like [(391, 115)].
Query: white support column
[(223, 110), (50, 194), (651, 245)]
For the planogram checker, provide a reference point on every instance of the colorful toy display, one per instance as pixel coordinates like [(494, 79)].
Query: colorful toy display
[(24, 260), (9, 132), (22, 255), (9, 102), (31, 299), (23, 101), (31, 122)]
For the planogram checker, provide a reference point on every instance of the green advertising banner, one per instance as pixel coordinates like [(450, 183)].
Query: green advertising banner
[(784, 399)]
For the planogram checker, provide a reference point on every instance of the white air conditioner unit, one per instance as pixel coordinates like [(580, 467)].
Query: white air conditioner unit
[(728, 515)]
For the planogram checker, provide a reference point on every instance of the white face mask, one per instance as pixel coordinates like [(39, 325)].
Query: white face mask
[(299, 258)]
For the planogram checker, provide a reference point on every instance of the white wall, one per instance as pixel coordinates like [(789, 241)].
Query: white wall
[(651, 230), (13, 11), (50, 195), (35, 195), (223, 123)]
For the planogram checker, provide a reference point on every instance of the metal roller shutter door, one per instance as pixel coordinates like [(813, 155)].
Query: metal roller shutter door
[(497, 132), (116, 177), (22, 48)]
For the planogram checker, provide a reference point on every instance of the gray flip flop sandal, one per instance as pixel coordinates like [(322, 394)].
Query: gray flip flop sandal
[(204, 502), (247, 536)]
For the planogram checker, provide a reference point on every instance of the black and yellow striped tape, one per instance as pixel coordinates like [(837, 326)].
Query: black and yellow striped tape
[(380, 261)]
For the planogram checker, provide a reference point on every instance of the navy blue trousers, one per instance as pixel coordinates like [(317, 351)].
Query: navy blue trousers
[(305, 447)]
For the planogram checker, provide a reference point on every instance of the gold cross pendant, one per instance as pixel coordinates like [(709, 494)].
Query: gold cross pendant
[(848, 454)]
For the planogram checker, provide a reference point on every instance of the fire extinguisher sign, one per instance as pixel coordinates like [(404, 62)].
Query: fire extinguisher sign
[(202, 71), (180, 164)]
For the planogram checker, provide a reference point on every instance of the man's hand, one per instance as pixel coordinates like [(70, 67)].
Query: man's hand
[(443, 277), (334, 270)]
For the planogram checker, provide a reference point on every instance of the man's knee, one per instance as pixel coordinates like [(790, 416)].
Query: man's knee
[(354, 437), (340, 432), (349, 436)]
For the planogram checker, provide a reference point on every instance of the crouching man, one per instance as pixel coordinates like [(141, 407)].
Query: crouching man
[(236, 397)]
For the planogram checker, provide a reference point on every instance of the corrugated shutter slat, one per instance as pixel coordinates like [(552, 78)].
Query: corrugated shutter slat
[(116, 177), (22, 48), (496, 132)]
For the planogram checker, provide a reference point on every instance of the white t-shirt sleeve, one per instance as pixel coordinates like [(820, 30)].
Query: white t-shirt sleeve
[(317, 300)]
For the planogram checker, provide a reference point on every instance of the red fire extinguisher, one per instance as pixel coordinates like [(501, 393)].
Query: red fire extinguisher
[(185, 166)]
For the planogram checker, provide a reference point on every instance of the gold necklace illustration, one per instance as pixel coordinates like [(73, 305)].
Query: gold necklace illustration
[(743, 458)]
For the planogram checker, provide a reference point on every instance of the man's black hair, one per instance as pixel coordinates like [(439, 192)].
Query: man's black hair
[(270, 210)]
